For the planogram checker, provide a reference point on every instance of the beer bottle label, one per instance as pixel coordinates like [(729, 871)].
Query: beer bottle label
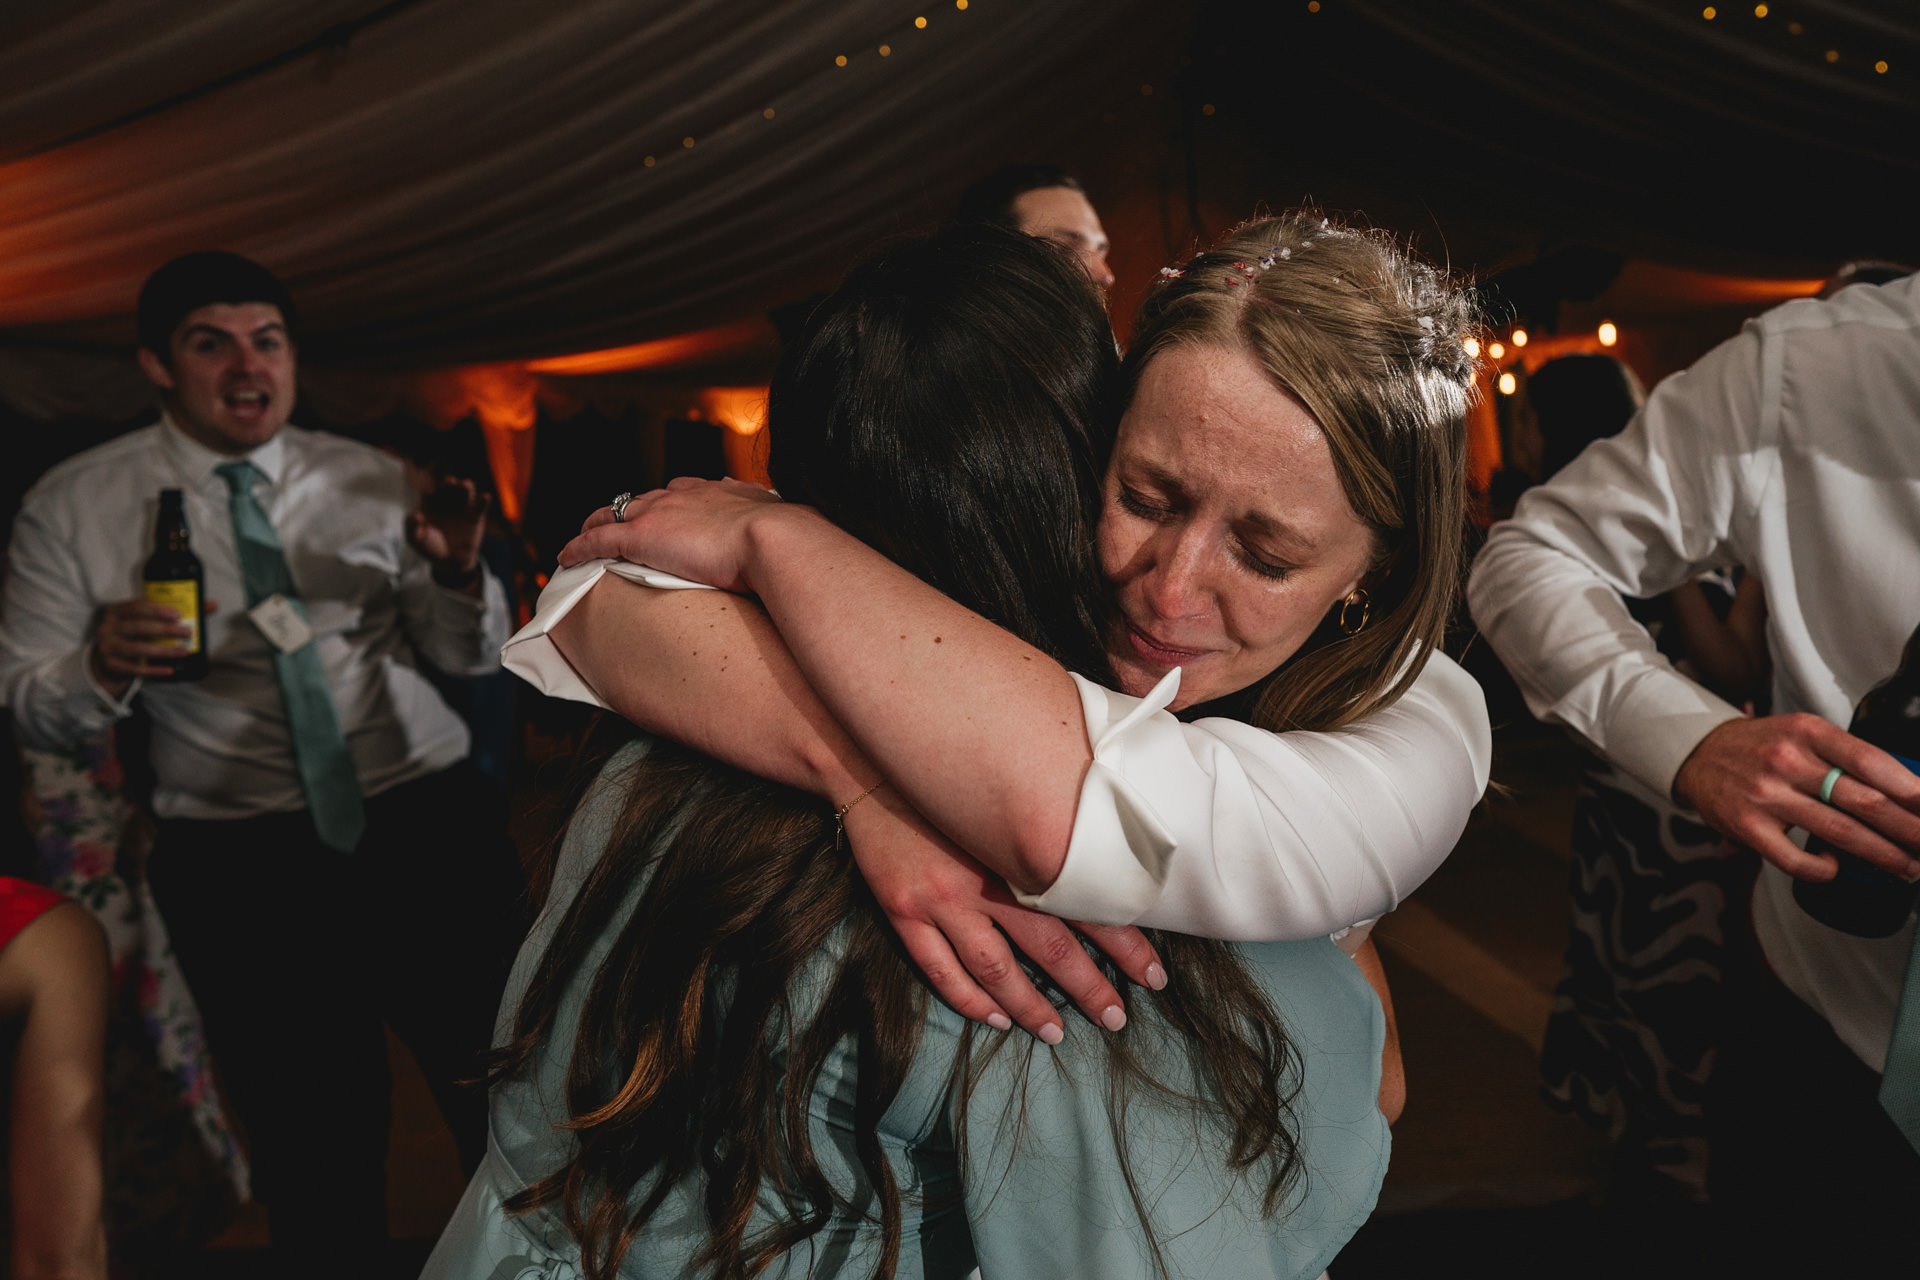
[(183, 596)]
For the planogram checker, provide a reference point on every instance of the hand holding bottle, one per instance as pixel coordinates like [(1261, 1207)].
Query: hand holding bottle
[(1753, 779), (137, 639)]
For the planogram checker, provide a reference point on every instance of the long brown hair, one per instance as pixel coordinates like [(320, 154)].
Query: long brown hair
[(942, 405), (1372, 341)]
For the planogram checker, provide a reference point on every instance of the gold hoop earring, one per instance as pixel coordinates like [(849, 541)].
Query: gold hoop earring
[(1347, 625)]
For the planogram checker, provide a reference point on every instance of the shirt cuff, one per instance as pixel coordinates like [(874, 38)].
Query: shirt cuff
[(530, 652), (1656, 723), (1116, 863), (120, 707)]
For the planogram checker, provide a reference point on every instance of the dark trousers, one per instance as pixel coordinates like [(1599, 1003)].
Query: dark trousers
[(1811, 1176), (296, 954)]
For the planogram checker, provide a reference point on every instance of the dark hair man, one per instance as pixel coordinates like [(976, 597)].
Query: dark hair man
[(1042, 200), (326, 859)]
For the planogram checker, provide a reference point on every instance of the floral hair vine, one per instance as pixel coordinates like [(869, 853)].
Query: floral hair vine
[(1277, 253)]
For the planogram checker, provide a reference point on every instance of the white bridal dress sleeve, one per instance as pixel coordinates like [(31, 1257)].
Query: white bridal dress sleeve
[(1213, 828)]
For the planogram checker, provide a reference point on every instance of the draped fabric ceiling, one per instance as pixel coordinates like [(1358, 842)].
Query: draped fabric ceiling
[(455, 183), (531, 198), (452, 181)]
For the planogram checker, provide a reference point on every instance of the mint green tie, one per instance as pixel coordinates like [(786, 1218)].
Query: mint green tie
[(1900, 1086), (326, 767)]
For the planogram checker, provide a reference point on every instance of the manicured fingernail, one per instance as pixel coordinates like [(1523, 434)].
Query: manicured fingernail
[(1913, 873), (1052, 1033), (1113, 1017), (1000, 1022), (1156, 976)]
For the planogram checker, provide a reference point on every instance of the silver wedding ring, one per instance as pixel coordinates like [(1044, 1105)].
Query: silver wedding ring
[(620, 507)]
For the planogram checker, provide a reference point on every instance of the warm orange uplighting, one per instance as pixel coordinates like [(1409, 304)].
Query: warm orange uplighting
[(1833, 55), (886, 51), (1709, 13), (840, 61), (767, 114), (921, 23), (960, 4), (1881, 66), (1759, 11), (1508, 384), (1496, 350), (1519, 337), (741, 410), (1473, 348), (680, 349), (1607, 333)]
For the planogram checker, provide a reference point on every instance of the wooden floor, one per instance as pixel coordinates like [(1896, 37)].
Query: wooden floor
[(1483, 1173)]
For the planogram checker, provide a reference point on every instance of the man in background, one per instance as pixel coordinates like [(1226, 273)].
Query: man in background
[(1791, 451), (1041, 200), (326, 858)]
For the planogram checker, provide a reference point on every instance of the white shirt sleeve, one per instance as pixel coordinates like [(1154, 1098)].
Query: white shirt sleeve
[(1213, 828), (45, 634), (1635, 515), (1223, 830), (530, 652)]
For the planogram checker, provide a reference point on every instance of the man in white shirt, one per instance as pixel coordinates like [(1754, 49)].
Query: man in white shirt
[(1792, 450), (325, 859)]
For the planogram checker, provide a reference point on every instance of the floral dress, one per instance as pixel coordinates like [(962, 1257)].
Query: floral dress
[(174, 1169)]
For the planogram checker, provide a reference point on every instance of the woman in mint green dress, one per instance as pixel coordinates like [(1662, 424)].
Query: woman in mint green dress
[(715, 1059)]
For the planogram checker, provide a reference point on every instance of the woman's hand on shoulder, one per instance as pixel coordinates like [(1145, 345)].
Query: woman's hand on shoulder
[(697, 529), (960, 925)]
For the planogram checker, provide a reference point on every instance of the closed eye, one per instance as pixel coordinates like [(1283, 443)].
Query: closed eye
[(1259, 564), (1135, 503)]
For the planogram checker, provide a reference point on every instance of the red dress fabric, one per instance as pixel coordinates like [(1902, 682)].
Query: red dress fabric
[(21, 903)]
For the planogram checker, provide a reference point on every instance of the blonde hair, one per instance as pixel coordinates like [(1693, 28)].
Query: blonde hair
[(1372, 341)]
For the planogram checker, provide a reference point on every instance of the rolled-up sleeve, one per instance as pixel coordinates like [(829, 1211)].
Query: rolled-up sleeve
[(531, 653), (458, 633), (1223, 830)]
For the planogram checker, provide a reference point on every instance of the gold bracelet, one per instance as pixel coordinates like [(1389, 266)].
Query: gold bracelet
[(840, 814)]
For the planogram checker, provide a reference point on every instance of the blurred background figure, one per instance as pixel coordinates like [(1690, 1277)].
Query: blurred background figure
[(1788, 450), (1631, 1041), (327, 859), (175, 1168), (1042, 200), (53, 1012)]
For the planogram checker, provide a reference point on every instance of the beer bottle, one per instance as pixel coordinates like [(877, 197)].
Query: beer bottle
[(1864, 900), (173, 577)]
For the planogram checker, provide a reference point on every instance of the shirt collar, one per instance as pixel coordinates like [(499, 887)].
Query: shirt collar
[(195, 462)]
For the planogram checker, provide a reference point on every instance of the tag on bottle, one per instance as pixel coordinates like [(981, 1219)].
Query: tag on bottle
[(280, 622)]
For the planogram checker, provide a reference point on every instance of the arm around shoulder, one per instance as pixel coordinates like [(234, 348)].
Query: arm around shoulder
[(1272, 837)]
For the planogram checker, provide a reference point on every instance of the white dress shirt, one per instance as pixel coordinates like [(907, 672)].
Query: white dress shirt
[(221, 747), (1794, 451), (1213, 828)]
